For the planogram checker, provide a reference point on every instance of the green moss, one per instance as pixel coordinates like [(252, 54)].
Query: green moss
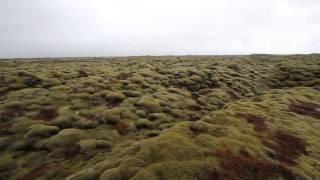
[(112, 174), (88, 145), (64, 121), (127, 114), (115, 96), (190, 117), (86, 174), (198, 127), (7, 163), (144, 124), (111, 116), (141, 113), (165, 126), (152, 133), (150, 104), (40, 130), (159, 117), (103, 144), (86, 124), (132, 93), (5, 142), (22, 125), (64, 138)]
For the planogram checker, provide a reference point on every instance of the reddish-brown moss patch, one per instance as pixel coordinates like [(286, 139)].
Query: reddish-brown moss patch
[(233, 95), (306, 108), (4, 128), (213, 175), (113, 102), (257, 121), (194, 107), (244, 166), (46, 114), (122, 76), (122, 128), (10, 113), (288, 147), (71, 151), (36, 172)]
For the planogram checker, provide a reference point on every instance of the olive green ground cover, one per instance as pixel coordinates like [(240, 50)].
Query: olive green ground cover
[(188, 117)]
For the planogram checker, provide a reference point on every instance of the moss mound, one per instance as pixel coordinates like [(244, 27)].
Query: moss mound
[(189, 117)]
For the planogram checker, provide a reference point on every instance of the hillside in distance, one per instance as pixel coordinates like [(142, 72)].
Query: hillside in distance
[(159, 118)]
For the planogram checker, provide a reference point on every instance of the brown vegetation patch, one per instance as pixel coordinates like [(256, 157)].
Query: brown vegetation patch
[(194, 107), (82, 73), (205, 91), (36, 172), (122, 128), (244, 166), (11, 113), (46, 114), (4, 128), (214, 85), (195, 97), (122, 76), (198, 128), (29, 79), (234, 96), (113, 102), (288, 147), (213, 175), (194, 117), (71, 151), (306, 108), (96, 101), (257, 121)]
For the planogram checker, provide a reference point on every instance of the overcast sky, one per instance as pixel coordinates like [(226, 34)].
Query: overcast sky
[(60, 28)]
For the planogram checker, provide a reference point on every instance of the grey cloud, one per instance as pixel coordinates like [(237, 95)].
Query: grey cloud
[(42, 28)]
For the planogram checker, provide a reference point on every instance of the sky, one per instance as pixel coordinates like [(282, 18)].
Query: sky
[(74, 28)]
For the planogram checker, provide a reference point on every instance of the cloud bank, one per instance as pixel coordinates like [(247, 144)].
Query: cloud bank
[(60, 28)]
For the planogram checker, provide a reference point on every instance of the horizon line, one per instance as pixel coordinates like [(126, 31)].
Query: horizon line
[(172, 55)]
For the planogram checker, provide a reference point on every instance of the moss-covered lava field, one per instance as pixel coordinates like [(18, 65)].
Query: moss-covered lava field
[(161, 118)]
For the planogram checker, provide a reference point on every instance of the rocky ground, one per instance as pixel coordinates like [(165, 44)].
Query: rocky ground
[(159, 118)]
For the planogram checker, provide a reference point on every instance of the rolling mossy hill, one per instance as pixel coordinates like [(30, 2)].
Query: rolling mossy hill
[(157, 118)]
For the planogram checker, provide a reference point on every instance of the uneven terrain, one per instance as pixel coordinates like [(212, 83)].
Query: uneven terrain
[(158, 118)]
